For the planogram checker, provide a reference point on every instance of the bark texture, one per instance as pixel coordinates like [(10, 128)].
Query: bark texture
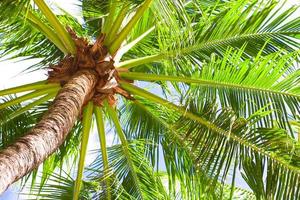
[(31, 150)]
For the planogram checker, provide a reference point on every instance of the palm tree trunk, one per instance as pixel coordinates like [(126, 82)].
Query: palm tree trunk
[(32, 149)]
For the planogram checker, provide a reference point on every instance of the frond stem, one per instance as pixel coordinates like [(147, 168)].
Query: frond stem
[(32, 105), (58, 27), (101, 132), (28, 96), (125, 31), (110, 18), (154, 77), (165, 55), (31, 86), (47, 31), (87, 122), (113, 114), (131, 44), (117, 24), (147, 95)]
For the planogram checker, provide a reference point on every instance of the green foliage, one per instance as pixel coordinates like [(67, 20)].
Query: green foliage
[(87, 123), (227, 107), (20, 37), (194, 39), (245, 85), (149, 184)]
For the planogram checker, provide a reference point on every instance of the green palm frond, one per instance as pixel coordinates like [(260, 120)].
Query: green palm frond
[(149, 183), (11, 9), (59, 29), (12, 129), (145, 120), (116, 25), (86, 122), (120, 37), (97, 13), (125, 146), (239, 194), (20, 29), (142, 126), (102, 137), (223, 134), (198, 38), (24, 34), (152, 127), (32, 105), (61, 186), (17, 40), (245, 85), (165, 13)]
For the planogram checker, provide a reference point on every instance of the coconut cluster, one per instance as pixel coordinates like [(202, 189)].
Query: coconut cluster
[(90, 57)]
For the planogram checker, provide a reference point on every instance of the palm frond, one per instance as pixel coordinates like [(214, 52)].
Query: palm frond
[(101, 132), (150, 126), (87, 121), (183, 179), (27, 87), (47, 31), (244, 85), (149, 183), (24, 34), (114, 117), (61, 186), (99, 15), (117, 24), (199, 38), (28, 96), (142, 126), (11, 9), (31, 105), (234, 89), (12, 129), (125, 31), (224, 134), (65, 37)]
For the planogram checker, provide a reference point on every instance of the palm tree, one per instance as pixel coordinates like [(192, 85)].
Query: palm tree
[(208, 89)]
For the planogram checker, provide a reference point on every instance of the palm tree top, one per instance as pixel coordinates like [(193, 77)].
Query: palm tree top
[(226, 111)]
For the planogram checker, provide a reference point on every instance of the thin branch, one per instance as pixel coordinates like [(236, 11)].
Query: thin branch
[(87, 121), (28, 96), (125, 31), (116, 25), (130, 45), (32, 86), (58, 27), (47, 31), (113, 114), (101, 132), (154, 77)]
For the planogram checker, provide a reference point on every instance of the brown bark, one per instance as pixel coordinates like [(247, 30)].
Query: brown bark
[(31, 150)]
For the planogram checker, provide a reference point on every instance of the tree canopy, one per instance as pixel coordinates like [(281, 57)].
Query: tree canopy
[(209, 89)]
